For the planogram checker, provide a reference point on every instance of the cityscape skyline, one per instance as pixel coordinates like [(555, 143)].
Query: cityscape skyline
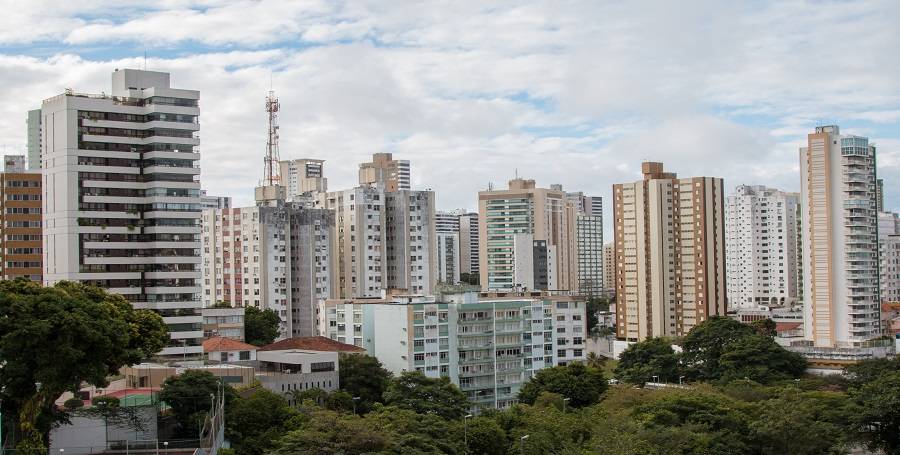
[(415, 93)]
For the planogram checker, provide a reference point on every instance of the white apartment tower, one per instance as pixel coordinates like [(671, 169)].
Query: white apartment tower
[(889, 246), (121, 199), (468, 243), (839, 239), (670, 253), (303, 176), (761, 247), (589, 238), (448, 246)]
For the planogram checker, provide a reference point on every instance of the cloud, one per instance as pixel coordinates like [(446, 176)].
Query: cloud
[(571, 92)]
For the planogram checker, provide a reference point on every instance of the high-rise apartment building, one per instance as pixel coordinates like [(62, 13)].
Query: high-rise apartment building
[(468, 244), (214, 202), (589, 238), (839, 222), (669, 252), (384, 170), (889, 254), (271, 257), (879, 195), (609, 269), (303, 177), (544, 215), (448, 246), (411, 241), (20, 221), (489, 345), (33, 135), (358, 258), (761, 247), (121, 199)]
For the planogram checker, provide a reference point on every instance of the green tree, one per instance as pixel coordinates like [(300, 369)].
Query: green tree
[(318, 396), (413, 390), (363, 376), (593, 306), (546, 399), (261, 327), (705, 343), (340, 401), (806, 423), (255, 421), (594, 360), (486, 437), (581, 384), (879, 414), (868, 370), (765, 327), (190, 396), (331, 433), (641, 361), (760, 359), (53, 339)]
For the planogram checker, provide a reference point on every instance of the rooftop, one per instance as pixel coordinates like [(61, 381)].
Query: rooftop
[(219, 344), (318, 343)]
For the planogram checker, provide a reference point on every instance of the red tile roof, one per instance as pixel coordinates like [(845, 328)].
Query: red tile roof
[(785, 326), (312, 344), (219, 344)]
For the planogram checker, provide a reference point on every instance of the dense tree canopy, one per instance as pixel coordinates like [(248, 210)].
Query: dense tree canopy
[(261, 327), (641, 361), (60, 337), (257, 419), (190, 397), (363, 376), (581, 384), (413, 390), (722, 349), (879, 415)]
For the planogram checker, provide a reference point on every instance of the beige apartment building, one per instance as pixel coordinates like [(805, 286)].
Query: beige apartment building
[(385, 170), (839, 239), (669, 253), (527, 238)]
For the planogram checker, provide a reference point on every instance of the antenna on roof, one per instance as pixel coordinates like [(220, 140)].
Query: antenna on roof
[(517, 173), (145, 59)]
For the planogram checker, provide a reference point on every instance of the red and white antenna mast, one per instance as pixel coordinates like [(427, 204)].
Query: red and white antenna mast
[(272, 173)]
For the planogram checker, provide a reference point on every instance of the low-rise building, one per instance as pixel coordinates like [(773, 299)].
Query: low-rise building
[(301, 363), (487, 343), (220, 349)]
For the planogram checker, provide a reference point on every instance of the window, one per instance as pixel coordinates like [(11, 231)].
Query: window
[(321, 366), (244, 355)]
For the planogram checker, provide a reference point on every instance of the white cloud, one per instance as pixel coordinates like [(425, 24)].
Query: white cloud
[(572, 92)]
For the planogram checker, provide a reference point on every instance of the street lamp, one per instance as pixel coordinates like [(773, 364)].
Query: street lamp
[(355, 399), (466, 431), (565, 402), (522, 444), (679, 379), (166, 447)]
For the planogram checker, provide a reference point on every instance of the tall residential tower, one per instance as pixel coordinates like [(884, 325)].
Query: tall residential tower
[(839, 220)]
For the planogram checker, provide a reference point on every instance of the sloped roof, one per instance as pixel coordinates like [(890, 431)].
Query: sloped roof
[(318, 343), (785, 326), (219, 344)]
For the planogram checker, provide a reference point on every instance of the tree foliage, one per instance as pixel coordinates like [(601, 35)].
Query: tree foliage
[(724, 349), (190, 396), (879, 415), (581, 384), (765, 327), (363, 376), (254, 421), (261, 327), (641, 361), (414, 391), (60, 337)]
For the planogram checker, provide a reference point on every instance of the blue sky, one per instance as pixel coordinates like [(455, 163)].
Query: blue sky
[(571, 92)]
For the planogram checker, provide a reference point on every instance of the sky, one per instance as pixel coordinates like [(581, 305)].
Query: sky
[(474, 93)]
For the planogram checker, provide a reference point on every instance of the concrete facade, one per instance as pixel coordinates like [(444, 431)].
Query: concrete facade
[(761, 247), (839, 239), (121, 200), (669, 253)]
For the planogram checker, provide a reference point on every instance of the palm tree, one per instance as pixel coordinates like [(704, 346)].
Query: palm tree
[(595, 361)]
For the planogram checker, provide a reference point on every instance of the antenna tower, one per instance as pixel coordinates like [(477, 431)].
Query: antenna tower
[(272, 172)]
